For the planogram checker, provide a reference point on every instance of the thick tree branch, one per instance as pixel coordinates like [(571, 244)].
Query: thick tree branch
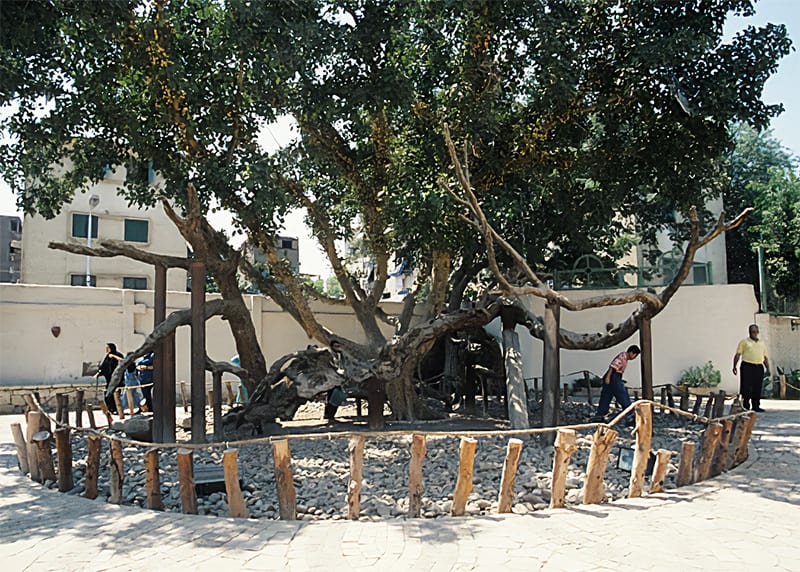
[(111, 248)]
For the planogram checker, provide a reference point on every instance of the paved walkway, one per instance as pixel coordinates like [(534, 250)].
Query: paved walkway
[(743, 520)]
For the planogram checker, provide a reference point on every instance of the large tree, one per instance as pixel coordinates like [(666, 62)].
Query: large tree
[(579, 121)]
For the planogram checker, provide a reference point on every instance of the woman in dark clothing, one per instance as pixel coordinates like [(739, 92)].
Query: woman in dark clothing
[(107, 367)]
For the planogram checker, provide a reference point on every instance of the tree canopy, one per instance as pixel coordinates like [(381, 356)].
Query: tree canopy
[(579, 120)]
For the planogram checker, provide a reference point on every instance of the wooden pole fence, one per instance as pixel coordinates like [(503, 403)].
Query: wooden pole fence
[(22, 447), (152, 483), (287, 497), (236, 505), (64, 452), (33, 458), (686, 468), (721, 456), (93, 444), (356, 449), (79, 407), (594, 487), (44, 456), (660, 470), (116, 472), (186, 478), (707, 449), (565, 445), (641, 454)]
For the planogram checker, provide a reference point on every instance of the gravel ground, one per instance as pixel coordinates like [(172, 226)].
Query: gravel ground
[(321, 468)]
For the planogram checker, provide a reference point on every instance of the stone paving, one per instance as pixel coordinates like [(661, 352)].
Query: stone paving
[(743, 520)]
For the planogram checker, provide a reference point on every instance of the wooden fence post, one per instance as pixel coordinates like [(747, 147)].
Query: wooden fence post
[(566, 392), (686, 468), (697, 403), (670, 398), (186, 478), (59, 408), (684, 402), (44, 456), (93, 444), (118, 402), (236, 505), (641, 455), (415, 486), (707, 449), (506, 496), (660, 470), (184, 400), (663, 399), (782, 380), (22, 447), (356, 448), (719, 404), (736, 436), (152, 484), (464, 482), (64, 451), (79, 405), (287, 498), (129, 399), (588, 387), (721, 456), (116, 470), (107, 413), (740, 456), (31, 430), (594, 488), (229, 389), (565, 446), (709, 412)]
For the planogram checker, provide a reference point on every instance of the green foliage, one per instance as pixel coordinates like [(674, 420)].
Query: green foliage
[(701, 376), (332, 288)]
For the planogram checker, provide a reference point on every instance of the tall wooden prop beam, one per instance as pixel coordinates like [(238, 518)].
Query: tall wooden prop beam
[(551, 367), (159, 385), (217, 404), (646, 345), (198, 271), (515, 382)]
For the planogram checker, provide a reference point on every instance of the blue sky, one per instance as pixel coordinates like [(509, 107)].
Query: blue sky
[(783, 87)]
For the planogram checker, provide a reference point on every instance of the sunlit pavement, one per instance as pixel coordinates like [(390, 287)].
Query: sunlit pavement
[(743, 520)]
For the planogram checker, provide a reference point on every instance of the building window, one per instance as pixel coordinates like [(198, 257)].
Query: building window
[(133, 283), (286, 243), (136, 230), (80, 280), (14, 225), (80, 223)]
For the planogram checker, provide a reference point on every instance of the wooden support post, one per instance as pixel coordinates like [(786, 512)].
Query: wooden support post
[(64, 452), (686, 468), (660, 470), (719, 404), (782, 380), (236, 505), (564, 446), (152, 483), (376, 398), (646, 359), (216, 380), (663, 399), (697, 403), (551, 366), (359, 413), (167, 401), (566, 392), (740, 456), (709, 407), (47, 471), (594, 488), (506, 497), (59, 408), (116, 471), (94, 443), (641, 454), (118, 401), (516, 396), (184, 400), (588, 388), (356, 448), (129, 399), (107, 413), (197, 269), (707, 449), (670, 397), (287, 498), (721, 456), (684, 403), (536, 389), (636, 395), (210, 398), (79, 406), (415, 483), (90, 415), (31, 430), (231, 397), (22, 447), (65, 410), (186, 478), (464, 483)]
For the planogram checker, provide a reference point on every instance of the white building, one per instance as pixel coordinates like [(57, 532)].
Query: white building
[(111, 218)]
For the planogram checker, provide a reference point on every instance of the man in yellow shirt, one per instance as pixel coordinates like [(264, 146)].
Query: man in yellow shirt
[(753, 354)]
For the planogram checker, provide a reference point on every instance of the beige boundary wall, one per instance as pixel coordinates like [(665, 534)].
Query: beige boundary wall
[(701, 323)]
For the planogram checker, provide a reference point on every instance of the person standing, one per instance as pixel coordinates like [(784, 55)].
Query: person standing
[(107, 367), (613, 386), (144, 369), (131, 381), (753, 354)]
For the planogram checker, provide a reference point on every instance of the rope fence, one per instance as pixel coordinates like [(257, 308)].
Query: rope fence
[(723, 445)]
